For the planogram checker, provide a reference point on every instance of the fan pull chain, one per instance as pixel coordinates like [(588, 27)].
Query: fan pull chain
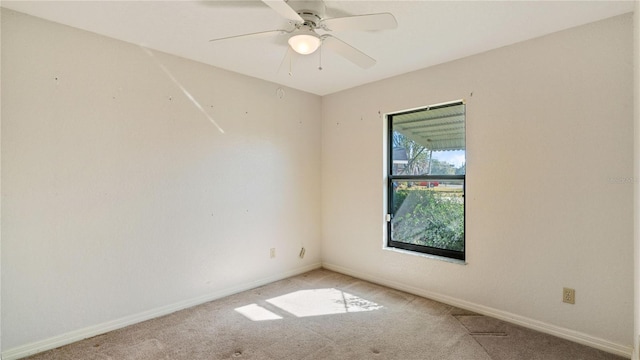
[(320, 57), (290, 61)]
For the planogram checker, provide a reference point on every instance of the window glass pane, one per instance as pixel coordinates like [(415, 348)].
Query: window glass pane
[(429, 142), (429, 213)]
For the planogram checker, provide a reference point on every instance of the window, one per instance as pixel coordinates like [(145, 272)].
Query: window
[(426, 180)]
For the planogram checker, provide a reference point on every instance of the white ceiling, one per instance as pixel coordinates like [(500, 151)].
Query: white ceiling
[(428, 33)]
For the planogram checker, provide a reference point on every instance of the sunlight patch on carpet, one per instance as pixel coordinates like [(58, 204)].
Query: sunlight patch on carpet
[(256, 312), (317, 302), (304, 303)]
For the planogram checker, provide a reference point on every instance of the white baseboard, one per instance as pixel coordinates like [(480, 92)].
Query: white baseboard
[(560, 332), (91, 331)]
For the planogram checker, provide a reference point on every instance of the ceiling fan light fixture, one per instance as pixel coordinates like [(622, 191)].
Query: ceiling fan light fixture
[(305, 43)]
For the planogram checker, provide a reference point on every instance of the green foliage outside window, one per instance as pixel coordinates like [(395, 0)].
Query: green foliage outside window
[(429, 218)]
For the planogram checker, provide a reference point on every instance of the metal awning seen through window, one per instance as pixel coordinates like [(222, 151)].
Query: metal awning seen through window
[(437, 129)]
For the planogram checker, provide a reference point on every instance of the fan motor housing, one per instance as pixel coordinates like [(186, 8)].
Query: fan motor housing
[(310, 11)]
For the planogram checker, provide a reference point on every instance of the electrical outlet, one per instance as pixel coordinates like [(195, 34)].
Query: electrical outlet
[(569, 295), (272, 253)]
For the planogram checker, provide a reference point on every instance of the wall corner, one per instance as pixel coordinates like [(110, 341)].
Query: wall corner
[(636, 170)]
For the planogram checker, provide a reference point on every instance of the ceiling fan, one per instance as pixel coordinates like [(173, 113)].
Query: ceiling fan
[(305, 17)]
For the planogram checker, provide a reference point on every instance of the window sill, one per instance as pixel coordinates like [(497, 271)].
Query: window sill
[(428, 256)]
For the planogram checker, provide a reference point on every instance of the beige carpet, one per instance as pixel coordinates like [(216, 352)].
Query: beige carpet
[(324, 315)]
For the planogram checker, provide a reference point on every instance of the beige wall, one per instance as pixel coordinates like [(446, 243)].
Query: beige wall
[(549, 153), (123, 200), (636, 217)]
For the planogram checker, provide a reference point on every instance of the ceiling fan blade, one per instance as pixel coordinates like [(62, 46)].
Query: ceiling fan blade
[(382, 21), (282, 8), (252, 35), (347, 51)]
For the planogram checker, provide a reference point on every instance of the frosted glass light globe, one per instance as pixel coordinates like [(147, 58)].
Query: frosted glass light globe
[(305, 43)]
